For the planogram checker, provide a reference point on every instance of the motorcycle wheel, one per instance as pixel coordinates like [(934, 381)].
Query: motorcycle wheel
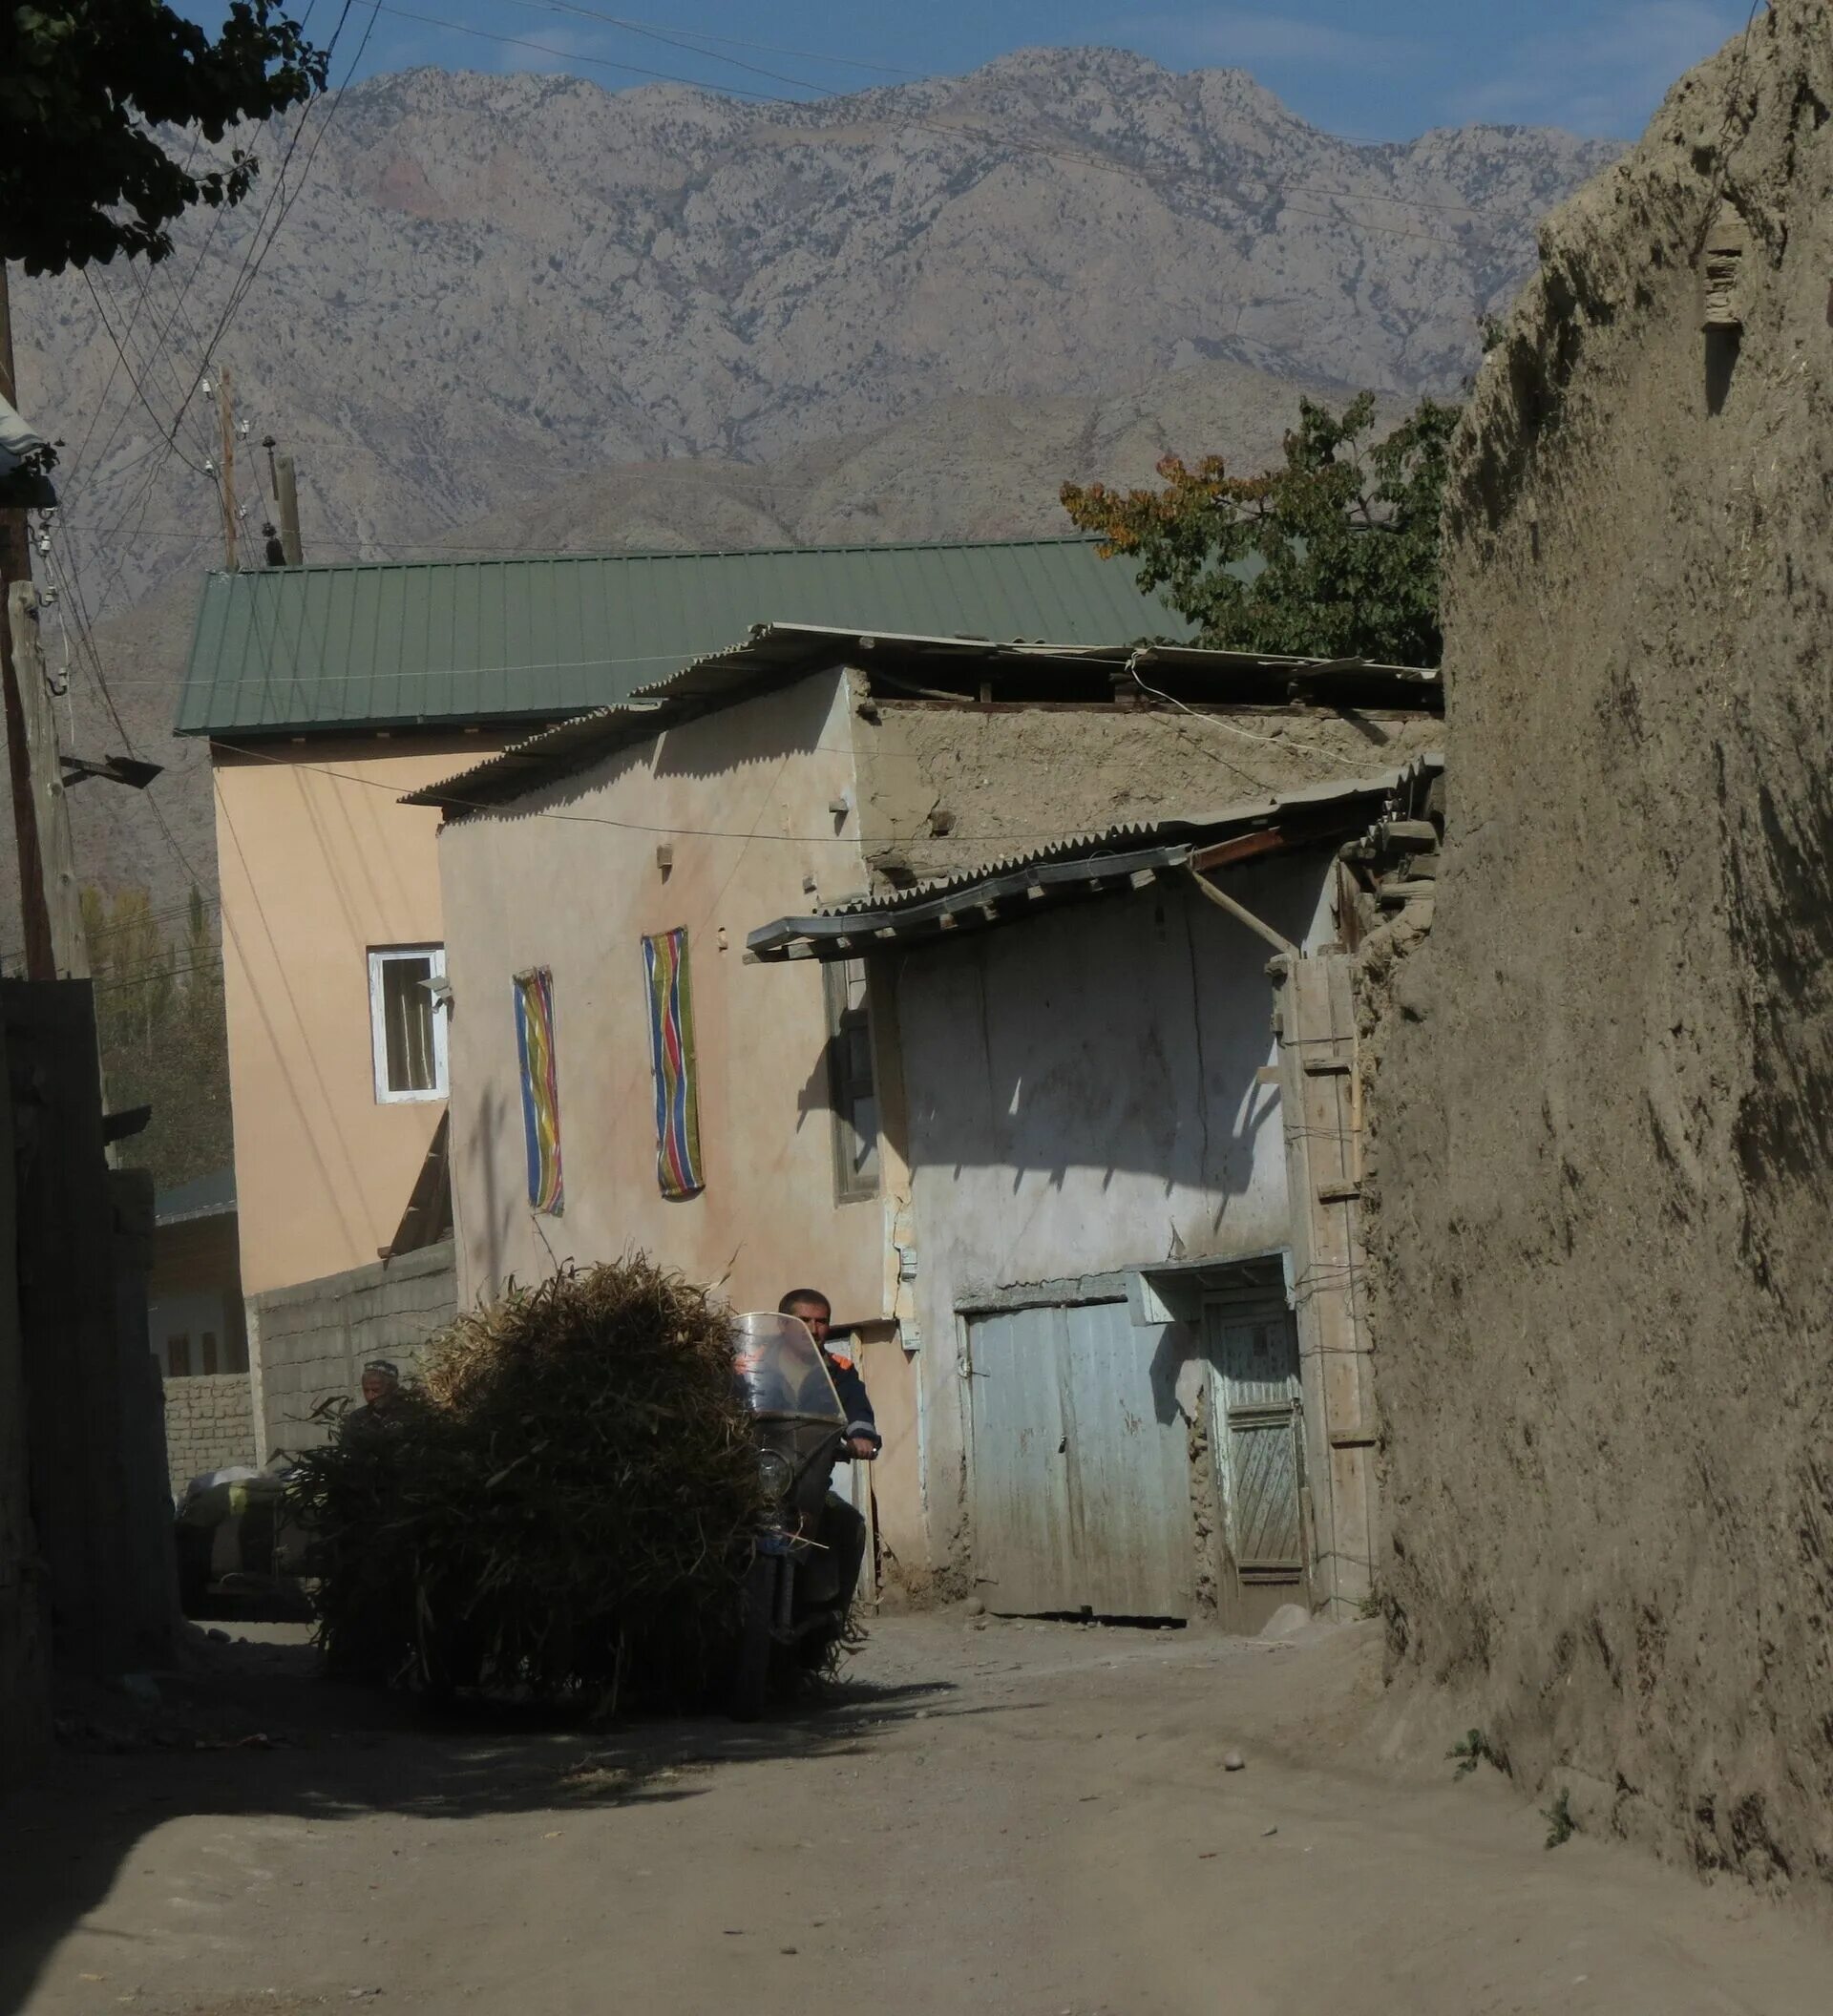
[(757, 1604)]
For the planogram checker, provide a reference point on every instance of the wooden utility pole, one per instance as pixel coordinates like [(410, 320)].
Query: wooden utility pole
[(15, 566), (286, 488), (60, 890), (226, 472)]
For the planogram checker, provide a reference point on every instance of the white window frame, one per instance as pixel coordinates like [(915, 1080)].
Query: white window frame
[(380, 957)]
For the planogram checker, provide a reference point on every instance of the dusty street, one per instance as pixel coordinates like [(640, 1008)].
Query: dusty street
[(1029, 1818)]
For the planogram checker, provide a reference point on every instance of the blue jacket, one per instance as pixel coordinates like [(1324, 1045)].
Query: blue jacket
[(854, 1396)]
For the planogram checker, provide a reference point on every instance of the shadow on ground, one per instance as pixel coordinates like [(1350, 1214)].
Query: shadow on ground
[(254, 1731)]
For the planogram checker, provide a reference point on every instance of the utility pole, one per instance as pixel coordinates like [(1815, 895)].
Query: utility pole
[(284, 482), (59, 890), (286, 496), (226, 472), (15, 568)]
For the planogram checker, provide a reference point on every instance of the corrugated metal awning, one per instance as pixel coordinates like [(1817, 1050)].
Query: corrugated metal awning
[(1019, 886)]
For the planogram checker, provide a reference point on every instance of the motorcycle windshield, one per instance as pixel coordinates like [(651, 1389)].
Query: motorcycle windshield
[(780, 1371)]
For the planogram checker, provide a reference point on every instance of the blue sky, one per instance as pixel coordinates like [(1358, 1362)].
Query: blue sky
[(1374, 68)]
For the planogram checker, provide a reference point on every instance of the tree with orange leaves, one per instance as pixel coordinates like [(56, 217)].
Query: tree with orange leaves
[(1335, 554)]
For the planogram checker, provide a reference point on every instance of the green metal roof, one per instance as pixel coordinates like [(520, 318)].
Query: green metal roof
[(465, 640)]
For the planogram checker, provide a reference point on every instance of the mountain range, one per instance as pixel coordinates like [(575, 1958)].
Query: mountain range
[(521, 312)]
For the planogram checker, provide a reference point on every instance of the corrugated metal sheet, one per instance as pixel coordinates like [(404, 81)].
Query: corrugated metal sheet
[(1144, 834), (1065, 870), (450, 640), (1081, 1478)]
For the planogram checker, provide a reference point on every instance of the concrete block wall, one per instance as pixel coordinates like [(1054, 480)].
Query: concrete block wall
[(209, 1424), (309, 1344)]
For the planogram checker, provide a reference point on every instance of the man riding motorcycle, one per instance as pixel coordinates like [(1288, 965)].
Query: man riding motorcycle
[(843, 1530)]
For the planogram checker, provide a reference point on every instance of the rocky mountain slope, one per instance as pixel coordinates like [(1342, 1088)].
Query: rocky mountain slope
[(484, 285), (523, 312)]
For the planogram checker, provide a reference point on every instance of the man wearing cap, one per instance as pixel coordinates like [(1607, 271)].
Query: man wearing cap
[(382, 1408)]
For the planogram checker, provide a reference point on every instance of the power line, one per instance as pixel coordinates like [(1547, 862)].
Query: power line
[(132, 375), (254, 259), (635, 825), (86, 638)]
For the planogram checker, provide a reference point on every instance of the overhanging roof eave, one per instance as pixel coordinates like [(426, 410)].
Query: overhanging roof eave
[(974, 907)]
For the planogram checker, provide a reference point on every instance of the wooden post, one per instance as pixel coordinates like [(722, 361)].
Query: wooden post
[(226, 474), (1320, 1112), (287, 491), (15, 565), (60, 892)]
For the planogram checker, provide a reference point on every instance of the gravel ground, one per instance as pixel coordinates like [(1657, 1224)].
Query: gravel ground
[(988, 1817)]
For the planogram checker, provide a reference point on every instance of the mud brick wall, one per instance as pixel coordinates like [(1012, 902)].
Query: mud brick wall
[(1600, 1184), (209, 1424), (309, 1344)]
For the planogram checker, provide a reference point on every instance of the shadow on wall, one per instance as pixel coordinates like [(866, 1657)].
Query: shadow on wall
[(751, 735), (1123, 1035)]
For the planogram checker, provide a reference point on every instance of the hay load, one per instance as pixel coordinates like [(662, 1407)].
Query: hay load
[(562, 1507)]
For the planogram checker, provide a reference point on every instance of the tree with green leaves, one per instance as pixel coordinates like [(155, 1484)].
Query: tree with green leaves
[(1335, 555), (95, 98)]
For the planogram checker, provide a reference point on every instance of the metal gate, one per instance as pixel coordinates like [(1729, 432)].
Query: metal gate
[(1255, 1357), (1080, 1465)]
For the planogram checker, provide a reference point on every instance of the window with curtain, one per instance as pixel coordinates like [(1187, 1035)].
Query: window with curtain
[(407, 1025)]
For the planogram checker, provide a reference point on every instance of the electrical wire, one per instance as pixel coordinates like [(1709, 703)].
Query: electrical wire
[(256, 255), (633, 825), (134, 378)]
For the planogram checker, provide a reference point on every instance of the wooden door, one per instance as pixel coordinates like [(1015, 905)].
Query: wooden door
[(1253, 1357)]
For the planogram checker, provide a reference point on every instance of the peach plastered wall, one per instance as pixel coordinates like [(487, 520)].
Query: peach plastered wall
[(318, 861)]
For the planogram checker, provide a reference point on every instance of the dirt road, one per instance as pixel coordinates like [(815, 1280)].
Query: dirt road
[(1034, 1819)]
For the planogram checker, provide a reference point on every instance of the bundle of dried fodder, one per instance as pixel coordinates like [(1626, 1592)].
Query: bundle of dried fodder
[(562, 1508)]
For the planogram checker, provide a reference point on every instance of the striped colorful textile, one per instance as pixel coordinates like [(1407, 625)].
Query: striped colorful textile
[(540, 1089), (671, 1052)]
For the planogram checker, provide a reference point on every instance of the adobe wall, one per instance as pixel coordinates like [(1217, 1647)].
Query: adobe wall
[(1601, 1184), (1005, 779)]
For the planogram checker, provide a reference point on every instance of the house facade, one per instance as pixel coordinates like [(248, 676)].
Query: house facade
[(1126, 1275), (991, 1125), (329, 696)]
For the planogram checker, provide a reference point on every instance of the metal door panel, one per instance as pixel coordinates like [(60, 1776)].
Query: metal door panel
[(1022, 1518), (1082, 1495)]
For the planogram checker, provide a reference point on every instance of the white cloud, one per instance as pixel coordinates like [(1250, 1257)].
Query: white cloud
[(1607, 78)]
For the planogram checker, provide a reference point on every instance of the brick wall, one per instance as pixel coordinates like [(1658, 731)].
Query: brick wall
[(311, 1343), (209, 1424)]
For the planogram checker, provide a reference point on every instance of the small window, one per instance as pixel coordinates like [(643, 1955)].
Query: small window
[(209, 1352), (406, 1025), (851, 1092), (178, 1356)]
